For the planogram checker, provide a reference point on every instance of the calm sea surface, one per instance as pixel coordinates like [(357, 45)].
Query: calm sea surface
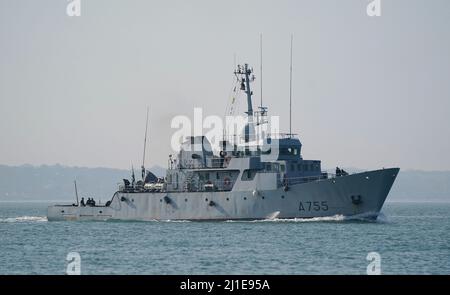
[(412, 238)]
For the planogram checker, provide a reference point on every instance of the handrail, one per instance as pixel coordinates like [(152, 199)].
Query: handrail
[(279, 135), (296, 180)]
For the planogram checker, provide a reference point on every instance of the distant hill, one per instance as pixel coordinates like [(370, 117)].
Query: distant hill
[(55, 182), (427, 186)]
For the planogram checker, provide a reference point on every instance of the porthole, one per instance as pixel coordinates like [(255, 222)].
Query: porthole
[(245, 198), (228, 199), (100, 212), (132, 200), (282, 197), (262, 198), (62, 211), (160, 200), (206, 199), (185, 200)]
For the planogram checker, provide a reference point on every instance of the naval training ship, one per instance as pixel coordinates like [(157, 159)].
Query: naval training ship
[(250, 180)]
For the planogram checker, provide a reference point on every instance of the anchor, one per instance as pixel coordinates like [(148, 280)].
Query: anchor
[(356, 199)]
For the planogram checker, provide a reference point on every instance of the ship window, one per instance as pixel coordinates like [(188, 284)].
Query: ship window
[(299, 167), (276, 167), (282, 168), (305, 167), (217, 175), (292, 167), (203, 176), (266, 152), (248, 174), (268, 167), (291, 151)]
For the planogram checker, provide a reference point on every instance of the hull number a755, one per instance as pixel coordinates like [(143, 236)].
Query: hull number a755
[(313, 206)]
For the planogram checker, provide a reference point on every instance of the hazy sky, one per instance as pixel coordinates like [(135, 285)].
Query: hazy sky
[(368, 91)]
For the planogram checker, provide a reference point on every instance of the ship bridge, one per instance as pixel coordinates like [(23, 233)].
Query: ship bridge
[(281, 147)]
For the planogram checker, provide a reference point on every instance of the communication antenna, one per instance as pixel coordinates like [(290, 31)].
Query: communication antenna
[(145, 144), (76, 191), (290, 91), (261, 67), (133, 179)]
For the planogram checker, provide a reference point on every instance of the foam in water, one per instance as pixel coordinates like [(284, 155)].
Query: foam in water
[(313, 219), (370, 216), (24, 219)]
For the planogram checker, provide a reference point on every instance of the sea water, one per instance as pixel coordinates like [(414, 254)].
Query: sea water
[(411, 238)]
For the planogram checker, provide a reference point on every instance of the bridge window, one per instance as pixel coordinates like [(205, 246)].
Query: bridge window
[(282, 168), (276, 166), (248, 174), (266, 152), (290, 151)]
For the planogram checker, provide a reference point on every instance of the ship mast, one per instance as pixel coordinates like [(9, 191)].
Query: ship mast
[(290, 91), (145, 144), (245, 76), (261, 114)]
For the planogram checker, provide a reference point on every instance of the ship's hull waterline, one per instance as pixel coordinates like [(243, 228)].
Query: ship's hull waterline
[(356, 194)]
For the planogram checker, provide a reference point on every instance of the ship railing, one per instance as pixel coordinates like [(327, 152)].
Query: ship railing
[(217, 162), (304, 179), (209, 185), (240, 139), (282, 135)]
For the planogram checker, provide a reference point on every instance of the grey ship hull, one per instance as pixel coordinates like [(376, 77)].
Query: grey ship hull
[(356, 194)]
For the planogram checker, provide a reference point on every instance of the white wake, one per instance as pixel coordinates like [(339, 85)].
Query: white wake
[(24, 219)]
